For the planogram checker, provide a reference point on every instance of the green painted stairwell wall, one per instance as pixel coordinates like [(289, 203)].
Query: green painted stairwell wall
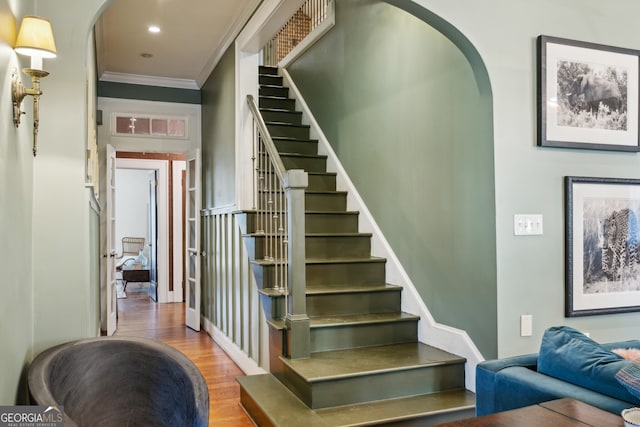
[(400, 105)]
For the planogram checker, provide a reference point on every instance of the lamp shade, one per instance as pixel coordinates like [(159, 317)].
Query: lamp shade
[(36, 38)]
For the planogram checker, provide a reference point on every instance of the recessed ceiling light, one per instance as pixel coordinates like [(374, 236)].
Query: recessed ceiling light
[(153, 29)]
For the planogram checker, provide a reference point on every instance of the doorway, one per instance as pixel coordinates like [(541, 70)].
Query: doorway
[(136, 232), (149, 204)]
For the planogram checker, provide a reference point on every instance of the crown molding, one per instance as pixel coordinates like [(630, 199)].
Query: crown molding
[(138, 79), (235, 27)]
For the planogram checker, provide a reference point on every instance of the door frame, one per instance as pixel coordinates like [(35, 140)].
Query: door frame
[(162, 167)]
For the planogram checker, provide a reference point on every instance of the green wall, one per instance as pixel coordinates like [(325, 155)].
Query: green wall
[(401, 107), (218, 134), (46, 256), (529, 179), (16, 192)]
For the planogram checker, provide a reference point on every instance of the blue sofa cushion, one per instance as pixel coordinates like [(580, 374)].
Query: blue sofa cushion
[(569, 355), (629, 377)]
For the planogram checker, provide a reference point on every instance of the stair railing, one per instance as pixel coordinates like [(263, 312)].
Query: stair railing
[(279, 202), (306, 19)]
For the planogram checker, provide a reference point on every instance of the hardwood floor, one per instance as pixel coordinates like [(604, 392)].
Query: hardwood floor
[(141, 317)]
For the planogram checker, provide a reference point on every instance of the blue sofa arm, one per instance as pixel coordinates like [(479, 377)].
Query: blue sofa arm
[(488, 400), (514, 382), (519, 386)]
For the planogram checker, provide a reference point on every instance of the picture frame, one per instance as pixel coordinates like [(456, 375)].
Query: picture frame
[(602, 246), (587, 95)]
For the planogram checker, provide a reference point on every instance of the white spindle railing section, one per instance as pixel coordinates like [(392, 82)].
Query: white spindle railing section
[(306, 19), (279, 198)]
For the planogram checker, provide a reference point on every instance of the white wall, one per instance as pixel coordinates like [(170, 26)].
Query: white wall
[(132, 205)]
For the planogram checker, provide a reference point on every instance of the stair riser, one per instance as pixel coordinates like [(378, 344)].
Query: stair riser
[(281, 103), (354, 303), (339, 274), (274, 91), (322, 182), (274, 307), (314, 222), (338, 247), (327, 223), (342, 337), (296, 147), (265, 276), (336, 305), (309, 164), (270, 80), (326, 274), (326, 202), (263, 69), (291, 117), (276, 130), (321, 202), (325, 247), (255, 411), (387, 385)]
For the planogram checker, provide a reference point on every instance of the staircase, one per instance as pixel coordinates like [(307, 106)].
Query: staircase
[(366, 366)]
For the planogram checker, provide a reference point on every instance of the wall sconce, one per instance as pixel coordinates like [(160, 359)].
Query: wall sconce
[(35, 39)]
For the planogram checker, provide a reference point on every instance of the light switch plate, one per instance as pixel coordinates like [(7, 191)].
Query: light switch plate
[(526, 325), (527, 224)]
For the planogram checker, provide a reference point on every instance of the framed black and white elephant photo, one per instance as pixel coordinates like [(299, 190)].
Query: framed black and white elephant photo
[(588, 95), (602, 245)]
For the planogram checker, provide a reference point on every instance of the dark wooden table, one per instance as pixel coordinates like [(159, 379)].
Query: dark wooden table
[(134, 275), (555, 413)]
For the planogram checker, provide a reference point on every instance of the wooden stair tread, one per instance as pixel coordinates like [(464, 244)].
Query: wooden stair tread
[(372, 260), (332, 290), (443, 405), (310, 212), (278, 110), (265, 397), (356, 319), (286, 124), (316, 261), (285, 409), (273, 97), (310, 192), (328, 235), (272, 85), (362, 361), (293, 138), (329, 290), (326, 192), (304, 156)]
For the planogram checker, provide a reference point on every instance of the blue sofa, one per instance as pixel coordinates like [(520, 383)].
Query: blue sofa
[(569, 364)]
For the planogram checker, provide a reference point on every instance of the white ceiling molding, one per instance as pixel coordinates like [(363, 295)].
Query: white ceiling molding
[(138, 79), (234, 29)]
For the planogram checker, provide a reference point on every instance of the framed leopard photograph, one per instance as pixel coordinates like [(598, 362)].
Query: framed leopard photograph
[(602, 245)]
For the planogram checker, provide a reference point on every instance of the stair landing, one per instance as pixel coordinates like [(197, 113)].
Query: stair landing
[(272, 404), (372, 373)]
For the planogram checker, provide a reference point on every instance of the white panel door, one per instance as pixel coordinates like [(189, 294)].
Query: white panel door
[(192, 227), (112, 295)]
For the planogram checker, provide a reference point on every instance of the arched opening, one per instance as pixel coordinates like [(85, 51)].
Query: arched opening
[(405, 101)]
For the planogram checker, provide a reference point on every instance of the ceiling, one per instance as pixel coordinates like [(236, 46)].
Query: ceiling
[(193, 36)]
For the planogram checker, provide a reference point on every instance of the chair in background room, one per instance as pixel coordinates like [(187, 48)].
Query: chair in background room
[(131, 247)]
